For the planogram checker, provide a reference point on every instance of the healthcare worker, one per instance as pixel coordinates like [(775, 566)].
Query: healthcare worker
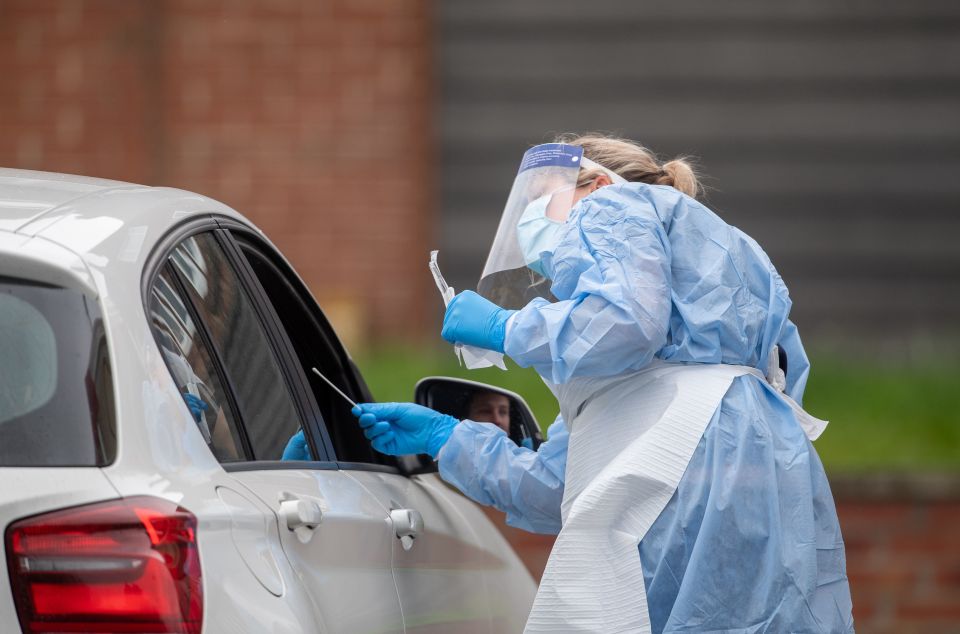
[(680, 474)]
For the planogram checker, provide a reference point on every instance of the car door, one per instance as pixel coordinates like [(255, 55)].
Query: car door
[(440, 565), (334, 533)]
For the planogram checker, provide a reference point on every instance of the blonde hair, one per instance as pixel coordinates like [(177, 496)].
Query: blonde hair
[(633, 162)]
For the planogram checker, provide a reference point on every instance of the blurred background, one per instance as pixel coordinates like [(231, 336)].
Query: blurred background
[(361, 134)]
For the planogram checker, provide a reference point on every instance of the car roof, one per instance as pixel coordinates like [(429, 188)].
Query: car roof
[(26, 195), (80, 213)]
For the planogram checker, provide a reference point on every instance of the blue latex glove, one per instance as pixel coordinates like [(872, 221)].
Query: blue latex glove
[(196, 404), (297, 448), (475, 321), (399, 429)]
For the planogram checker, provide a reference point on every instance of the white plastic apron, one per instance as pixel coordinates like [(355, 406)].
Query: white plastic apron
[(631, 438)]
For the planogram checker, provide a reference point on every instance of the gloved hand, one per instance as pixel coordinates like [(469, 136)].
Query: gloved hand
[(399, 429), (196, 405), (297, 448), (475, 321)]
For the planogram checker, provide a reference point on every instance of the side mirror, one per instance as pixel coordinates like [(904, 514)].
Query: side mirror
[(481, 403)]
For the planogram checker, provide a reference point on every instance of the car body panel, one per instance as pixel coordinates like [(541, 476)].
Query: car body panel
[(44, 261), (510, 588), (29, 195), (346, 561), (460, 575), (440, 576), (236, 599)]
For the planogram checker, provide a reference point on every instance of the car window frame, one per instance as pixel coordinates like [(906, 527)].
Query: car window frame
[(359, 387), (313, 427)]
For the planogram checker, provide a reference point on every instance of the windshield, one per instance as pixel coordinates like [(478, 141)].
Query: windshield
[(56, 395)]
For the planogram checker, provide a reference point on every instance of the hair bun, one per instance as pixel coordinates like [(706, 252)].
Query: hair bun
[(680, 175), (633, 162)]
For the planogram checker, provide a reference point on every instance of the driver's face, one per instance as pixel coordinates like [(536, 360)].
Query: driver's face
[(490, 407)]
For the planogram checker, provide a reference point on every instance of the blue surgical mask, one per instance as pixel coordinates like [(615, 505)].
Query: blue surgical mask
[(537, 233)]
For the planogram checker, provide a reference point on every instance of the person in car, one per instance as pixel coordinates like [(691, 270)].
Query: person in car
[(485, 406), (680, 475)]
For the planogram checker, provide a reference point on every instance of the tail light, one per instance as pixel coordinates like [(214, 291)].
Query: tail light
[(128, 565)]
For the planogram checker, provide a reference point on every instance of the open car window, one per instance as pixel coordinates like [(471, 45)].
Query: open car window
[(316, 346)]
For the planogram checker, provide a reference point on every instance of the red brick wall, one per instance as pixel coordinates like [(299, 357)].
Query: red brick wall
[(74, 95), (312, 118), (903, 561)]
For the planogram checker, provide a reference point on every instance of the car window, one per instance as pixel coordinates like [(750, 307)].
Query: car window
[(267, 408), (316, 347), (56, 387), (192, 368)]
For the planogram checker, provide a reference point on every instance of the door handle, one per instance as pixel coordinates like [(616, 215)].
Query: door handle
[(300, 516), (407, 524)]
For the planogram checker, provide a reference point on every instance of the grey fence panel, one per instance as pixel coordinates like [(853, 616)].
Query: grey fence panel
[(830, 132), (534, 12)]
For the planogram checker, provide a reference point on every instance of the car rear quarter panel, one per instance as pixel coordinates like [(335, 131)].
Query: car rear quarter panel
[(31, 491)]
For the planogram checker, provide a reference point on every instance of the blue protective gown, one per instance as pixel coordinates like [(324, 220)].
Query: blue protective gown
[(750, 540)]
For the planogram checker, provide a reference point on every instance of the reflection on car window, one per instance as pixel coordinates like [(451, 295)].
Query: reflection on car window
[(487, 406), (56, 388), (28, 349), (191, 263), (192, 369), (266, 406)]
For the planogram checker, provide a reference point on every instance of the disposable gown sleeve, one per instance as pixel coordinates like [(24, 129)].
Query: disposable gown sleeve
[(798, 365), (611, 273), (482, 461)]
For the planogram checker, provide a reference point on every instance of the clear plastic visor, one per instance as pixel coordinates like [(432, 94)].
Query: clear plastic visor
[(538, 205)]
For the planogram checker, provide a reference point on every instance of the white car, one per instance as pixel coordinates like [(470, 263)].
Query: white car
[(126, 506)]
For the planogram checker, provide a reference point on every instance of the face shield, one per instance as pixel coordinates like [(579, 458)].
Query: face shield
[(539, 203)]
